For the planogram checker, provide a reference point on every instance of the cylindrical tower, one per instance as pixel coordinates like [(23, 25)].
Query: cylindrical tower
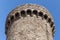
[(29, 22)]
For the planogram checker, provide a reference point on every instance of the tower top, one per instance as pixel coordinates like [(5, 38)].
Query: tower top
[(21, 11)]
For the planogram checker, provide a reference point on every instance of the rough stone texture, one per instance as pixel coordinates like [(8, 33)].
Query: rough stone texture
[(30, 27)]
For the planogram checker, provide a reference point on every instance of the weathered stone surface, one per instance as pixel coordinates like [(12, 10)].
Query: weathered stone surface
[(29, 22)]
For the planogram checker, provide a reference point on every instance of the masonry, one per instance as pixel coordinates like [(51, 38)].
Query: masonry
[(29, 22)]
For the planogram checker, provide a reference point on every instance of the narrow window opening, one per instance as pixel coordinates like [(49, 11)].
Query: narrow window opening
[(23, 14), (52, 24), (53, 29), (29, 12), (12, 18), (17, 15), (41, 14), (8, 22), (35, 12), (6, 28), (45, 16), (49, 20)]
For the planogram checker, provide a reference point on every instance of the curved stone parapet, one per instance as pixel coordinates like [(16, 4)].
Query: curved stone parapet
[(29, 9)]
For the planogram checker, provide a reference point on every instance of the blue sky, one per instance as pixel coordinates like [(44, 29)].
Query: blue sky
[(7, 5)]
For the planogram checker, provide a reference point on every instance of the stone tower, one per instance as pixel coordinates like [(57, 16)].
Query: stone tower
[(29, 22)]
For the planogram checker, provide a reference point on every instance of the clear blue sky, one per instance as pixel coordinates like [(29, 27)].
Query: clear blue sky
[(7, 5)]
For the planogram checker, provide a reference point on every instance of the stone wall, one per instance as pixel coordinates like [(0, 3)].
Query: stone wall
[(29, 22)]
